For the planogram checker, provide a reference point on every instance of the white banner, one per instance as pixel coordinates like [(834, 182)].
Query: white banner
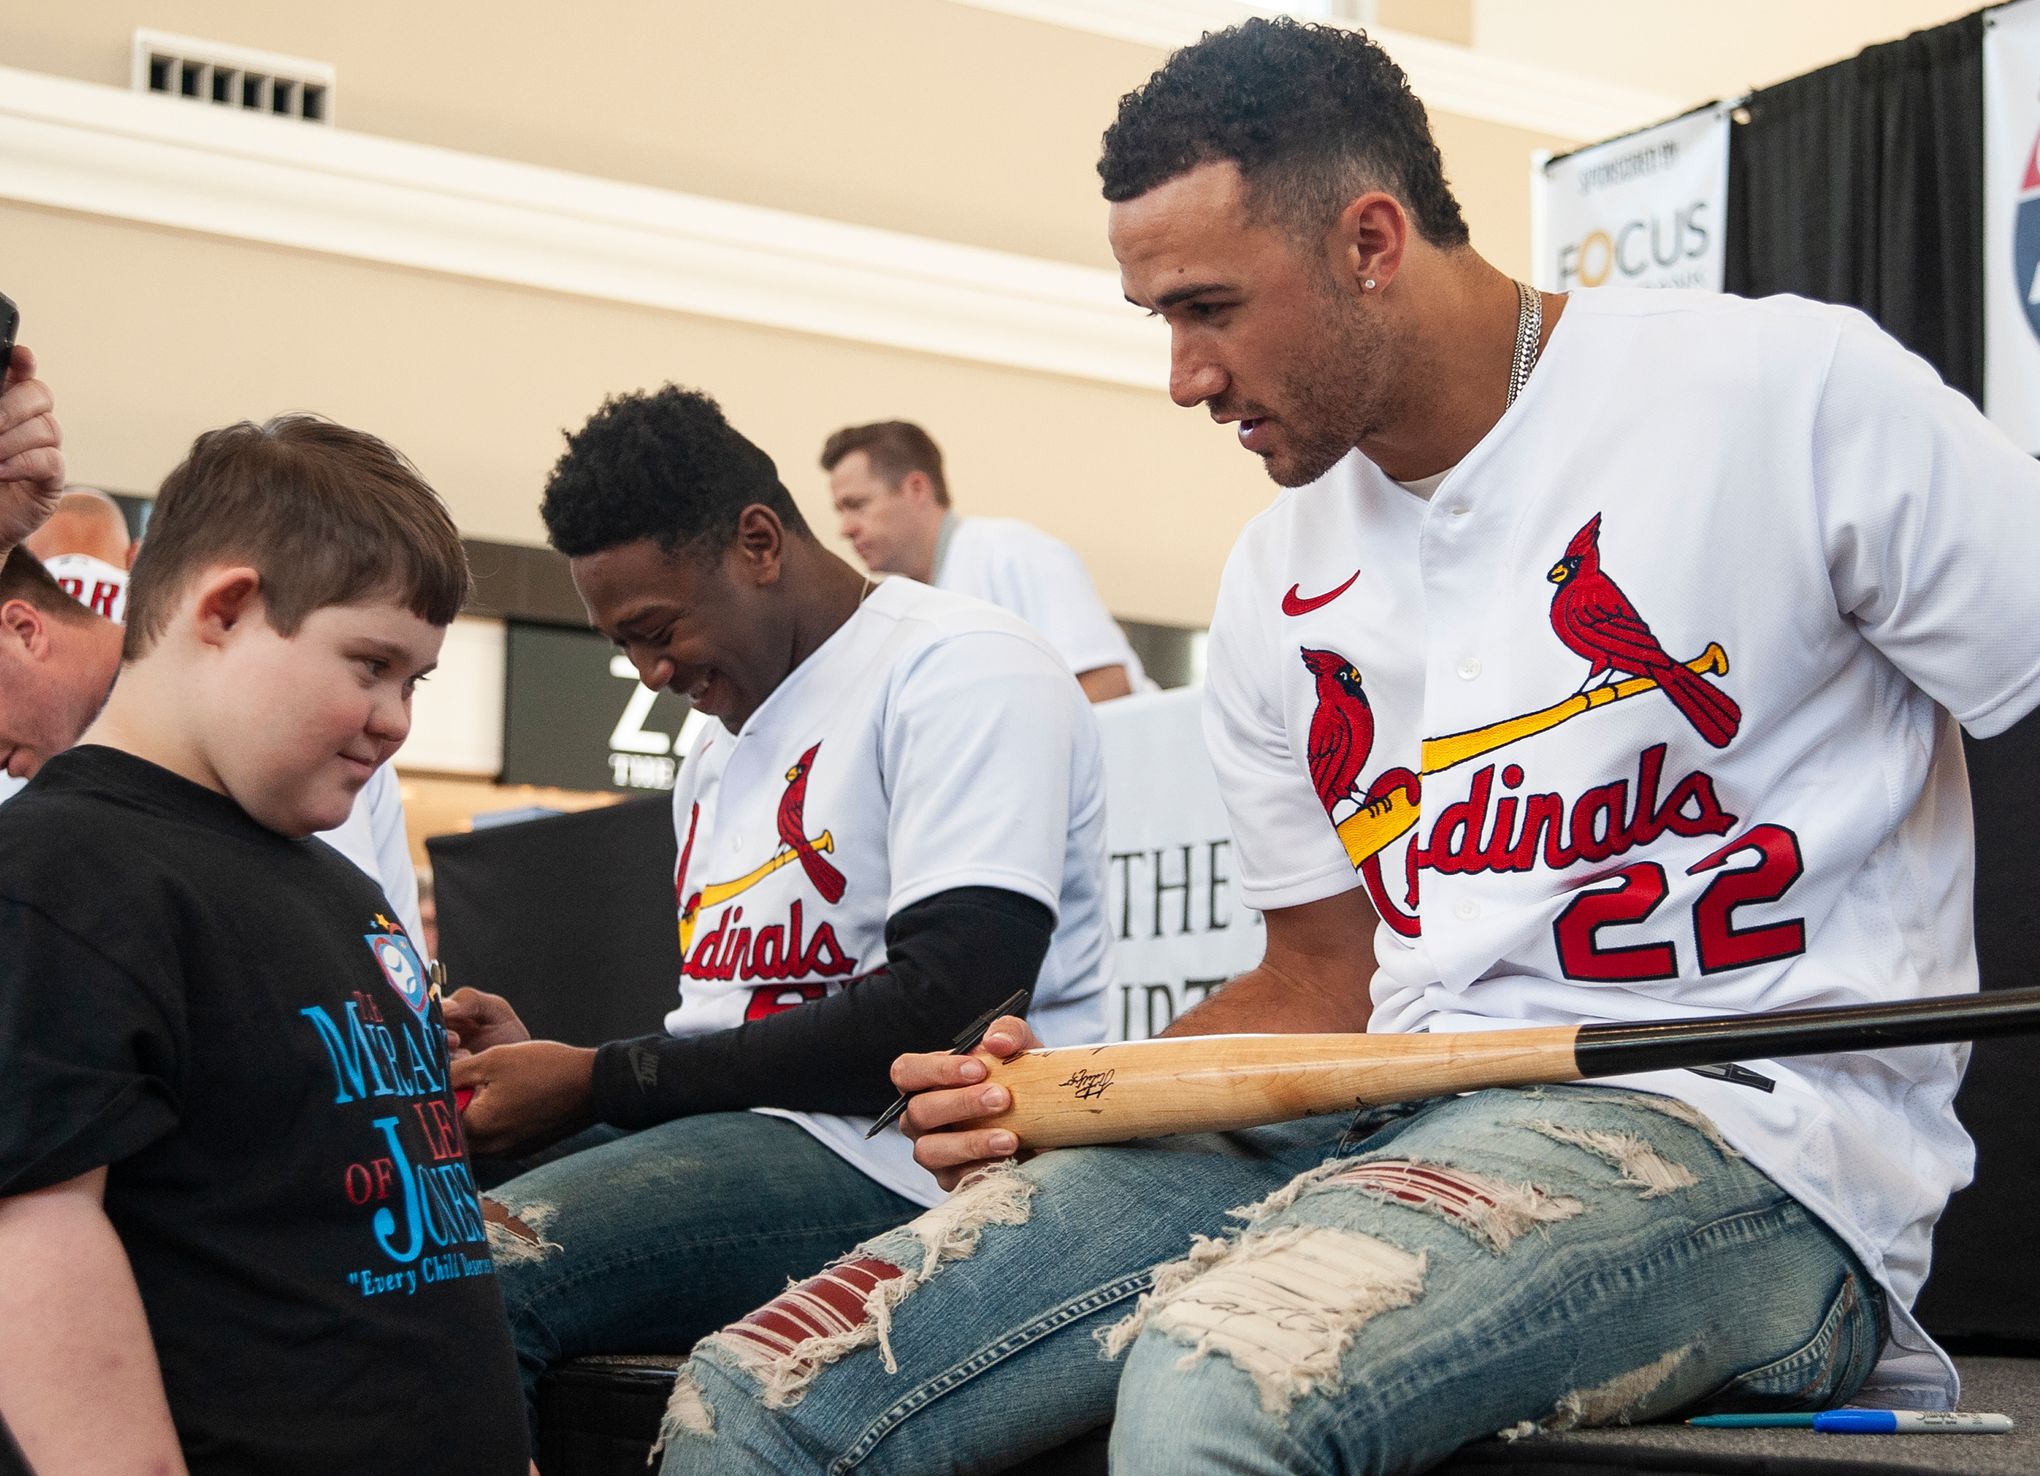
[(1178, 925), (1645, 210), (2011, 221)]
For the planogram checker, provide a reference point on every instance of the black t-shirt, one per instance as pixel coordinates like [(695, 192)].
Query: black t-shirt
[(234, 1025)]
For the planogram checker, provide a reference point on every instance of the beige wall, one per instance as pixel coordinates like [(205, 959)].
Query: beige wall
[(148, 336), (916, 115), (1696, 52)]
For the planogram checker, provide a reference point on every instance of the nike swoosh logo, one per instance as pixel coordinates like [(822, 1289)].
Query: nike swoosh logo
[(1294, 602)]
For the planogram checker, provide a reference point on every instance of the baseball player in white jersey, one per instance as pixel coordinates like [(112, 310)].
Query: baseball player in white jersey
[(885, 738), (895, 823), (1605, 662)]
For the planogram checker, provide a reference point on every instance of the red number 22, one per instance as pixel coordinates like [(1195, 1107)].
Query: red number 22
[(1721, 945)]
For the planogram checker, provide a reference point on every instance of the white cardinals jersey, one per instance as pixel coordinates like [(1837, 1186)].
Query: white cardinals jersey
[(93, 583), (1017, 567), (1646, 713), (931, 743)]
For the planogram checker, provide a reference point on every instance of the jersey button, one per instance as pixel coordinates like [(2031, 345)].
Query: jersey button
[(1469, 668), (1466, 910), (1460, 510)]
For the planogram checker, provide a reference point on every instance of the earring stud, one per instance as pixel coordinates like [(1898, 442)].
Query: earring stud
[(1368, 284)]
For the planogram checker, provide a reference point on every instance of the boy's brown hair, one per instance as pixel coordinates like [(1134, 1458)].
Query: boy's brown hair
[(326, 515)]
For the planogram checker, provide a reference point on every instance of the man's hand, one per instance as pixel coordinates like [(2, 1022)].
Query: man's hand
[(31, 452), (526, 1095), (476, 1021), (946, 1089)]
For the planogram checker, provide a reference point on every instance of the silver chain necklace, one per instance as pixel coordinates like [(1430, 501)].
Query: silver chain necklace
[(1529, 328)]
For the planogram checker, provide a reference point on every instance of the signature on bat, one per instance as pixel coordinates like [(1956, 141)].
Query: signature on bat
[(1089, 1084)]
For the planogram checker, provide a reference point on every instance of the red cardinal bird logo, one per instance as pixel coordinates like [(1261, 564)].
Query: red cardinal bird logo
[(1595, 620), (793, 830), (1341, 730), (690, 903)]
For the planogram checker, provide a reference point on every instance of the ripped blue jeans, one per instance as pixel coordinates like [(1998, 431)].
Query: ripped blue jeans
[(1394, 1286)]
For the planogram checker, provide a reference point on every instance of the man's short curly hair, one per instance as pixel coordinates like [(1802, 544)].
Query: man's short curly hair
[(665, 466), (1313, 116)]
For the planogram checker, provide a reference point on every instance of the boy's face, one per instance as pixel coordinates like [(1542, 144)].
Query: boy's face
[(297, 724)]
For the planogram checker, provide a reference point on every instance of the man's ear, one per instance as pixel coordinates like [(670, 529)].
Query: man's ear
[(224, 603), (918, 488), (23, 622), (760, 545), (1366, 242)]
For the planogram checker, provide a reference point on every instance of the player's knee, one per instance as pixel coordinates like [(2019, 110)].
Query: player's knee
[(703, 1431), (1179, 1412)]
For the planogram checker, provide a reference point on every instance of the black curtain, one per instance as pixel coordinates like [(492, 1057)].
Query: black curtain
[(1985, 1286), (1862, 183), (570, 918)]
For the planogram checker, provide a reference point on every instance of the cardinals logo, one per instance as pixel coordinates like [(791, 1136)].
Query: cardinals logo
[(1341, 729), (825, 878), (1595, 619), (1341, 740), (795, 846)]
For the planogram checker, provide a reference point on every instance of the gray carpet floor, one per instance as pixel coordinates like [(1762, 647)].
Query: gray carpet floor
[(1989, 1385)]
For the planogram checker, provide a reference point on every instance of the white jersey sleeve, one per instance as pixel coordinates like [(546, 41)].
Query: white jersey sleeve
[(1042, 580), (1930, 520), (1286, 852), (976, 750), (374, 838)]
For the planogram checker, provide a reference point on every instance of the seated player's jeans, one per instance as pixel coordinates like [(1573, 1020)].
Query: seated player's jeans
[(641, 1242), (1409, 1280)]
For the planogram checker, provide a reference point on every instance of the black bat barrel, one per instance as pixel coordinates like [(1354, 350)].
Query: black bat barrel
[(1665, 1045)]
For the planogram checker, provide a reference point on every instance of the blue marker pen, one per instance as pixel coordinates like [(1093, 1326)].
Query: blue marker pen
[(1753, 1421), (1909, 1422)]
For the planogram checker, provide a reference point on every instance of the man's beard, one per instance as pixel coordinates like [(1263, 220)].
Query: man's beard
[(1336, 396)]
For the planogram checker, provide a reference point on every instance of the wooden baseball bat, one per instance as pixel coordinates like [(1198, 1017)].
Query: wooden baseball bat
[(1213, 1083)]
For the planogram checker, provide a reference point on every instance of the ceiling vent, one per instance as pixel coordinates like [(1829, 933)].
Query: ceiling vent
[(218, 75)]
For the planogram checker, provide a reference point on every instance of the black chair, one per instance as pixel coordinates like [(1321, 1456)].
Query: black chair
[(570, 918)]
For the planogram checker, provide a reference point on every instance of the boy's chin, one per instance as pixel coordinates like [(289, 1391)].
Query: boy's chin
[(298, 816)]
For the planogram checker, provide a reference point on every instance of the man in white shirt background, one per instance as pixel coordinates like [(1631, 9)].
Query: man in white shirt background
[(886, 482)]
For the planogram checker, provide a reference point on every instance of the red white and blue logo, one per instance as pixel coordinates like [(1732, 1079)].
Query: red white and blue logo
[(400, 965), (2026, 239)]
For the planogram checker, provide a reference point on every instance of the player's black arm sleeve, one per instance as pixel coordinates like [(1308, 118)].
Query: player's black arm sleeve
[(949, 958)]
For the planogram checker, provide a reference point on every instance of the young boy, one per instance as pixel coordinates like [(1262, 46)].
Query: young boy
[(235, 1209)]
